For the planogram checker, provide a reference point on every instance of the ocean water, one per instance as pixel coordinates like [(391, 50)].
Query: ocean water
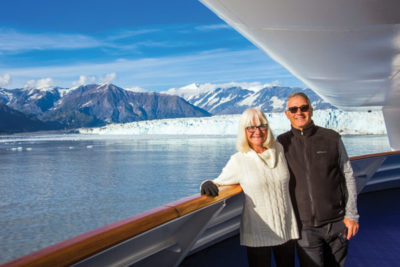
[(53, 187)]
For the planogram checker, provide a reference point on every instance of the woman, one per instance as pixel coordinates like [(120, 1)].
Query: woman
[(268, 220)]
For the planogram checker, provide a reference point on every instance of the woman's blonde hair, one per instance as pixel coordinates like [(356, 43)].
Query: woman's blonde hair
[(252, 117)]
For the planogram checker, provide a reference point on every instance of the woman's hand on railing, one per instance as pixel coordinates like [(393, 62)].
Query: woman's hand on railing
[(209, 188)]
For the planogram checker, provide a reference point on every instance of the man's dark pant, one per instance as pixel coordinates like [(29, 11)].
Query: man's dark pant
[(323, 246)]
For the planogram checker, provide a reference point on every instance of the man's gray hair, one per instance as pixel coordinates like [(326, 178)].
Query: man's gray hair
[(301, 94)]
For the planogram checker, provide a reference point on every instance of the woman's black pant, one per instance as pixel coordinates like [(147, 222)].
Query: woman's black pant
[(262, 256)]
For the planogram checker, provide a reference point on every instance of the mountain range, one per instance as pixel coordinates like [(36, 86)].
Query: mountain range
[(97, 105), (234, 99)]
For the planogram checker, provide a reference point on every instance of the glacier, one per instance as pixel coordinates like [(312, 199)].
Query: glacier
[(344, 122)]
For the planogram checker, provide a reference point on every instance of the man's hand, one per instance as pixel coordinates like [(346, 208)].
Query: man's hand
[(352, 228), (209, 188)]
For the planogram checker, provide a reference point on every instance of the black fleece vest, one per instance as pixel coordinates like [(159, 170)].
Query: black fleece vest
[(316, 181)]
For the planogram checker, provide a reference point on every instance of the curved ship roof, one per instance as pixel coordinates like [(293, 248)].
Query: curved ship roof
[(347, 51)]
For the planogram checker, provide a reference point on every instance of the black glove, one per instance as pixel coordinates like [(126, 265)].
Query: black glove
[(209, 188)]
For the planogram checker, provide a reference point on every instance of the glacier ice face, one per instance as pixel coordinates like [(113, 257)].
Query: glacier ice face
[(346, 123)]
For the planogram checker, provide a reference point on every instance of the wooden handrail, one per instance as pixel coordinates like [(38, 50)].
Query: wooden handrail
[(77, 248)]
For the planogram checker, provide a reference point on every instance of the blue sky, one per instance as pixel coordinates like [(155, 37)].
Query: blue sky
[(151, 44)]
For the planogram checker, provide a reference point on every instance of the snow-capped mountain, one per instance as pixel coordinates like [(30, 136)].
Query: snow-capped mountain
[(107, 103), (95, 105), (235, 98), (30, 101)]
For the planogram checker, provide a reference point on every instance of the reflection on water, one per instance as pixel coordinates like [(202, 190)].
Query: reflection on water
[(55, 187)]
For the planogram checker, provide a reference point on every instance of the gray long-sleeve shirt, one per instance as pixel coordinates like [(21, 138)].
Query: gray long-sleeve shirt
[(345, 165)]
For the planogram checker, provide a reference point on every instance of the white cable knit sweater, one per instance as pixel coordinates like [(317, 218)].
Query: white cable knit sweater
[(268, 218)]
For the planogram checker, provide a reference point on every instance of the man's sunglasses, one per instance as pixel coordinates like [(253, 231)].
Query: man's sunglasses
[(303, 108)]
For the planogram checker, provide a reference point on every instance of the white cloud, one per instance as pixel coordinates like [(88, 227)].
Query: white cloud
[(5, 79), (30, 84), (46, 83), (275, 83), (161, 73), (213, 27), (130, 33), (13, 41), (84, 80), (108, 78)]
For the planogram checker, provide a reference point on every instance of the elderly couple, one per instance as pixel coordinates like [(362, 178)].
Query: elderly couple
[(299, 190)]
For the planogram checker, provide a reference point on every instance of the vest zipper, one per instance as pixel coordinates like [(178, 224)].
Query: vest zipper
[(308, 179)]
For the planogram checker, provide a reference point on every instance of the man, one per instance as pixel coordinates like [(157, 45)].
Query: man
[(322, 186)]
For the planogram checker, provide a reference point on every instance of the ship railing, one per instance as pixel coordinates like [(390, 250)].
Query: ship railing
[(376, 171), (166, 235), (163, 236)]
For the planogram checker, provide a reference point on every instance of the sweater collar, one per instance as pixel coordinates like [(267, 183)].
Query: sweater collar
[(308, 131), (268, 157)]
